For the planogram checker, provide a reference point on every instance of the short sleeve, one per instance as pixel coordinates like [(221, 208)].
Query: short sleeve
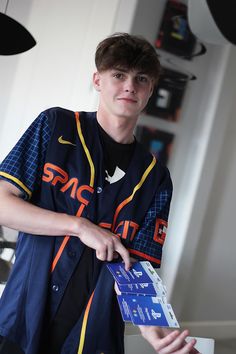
[(148, 242), (23, 165)]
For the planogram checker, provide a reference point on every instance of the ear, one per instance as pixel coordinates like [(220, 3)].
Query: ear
[(96, 81)]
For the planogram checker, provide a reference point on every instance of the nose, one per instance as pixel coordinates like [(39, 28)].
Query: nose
[(130, 86)]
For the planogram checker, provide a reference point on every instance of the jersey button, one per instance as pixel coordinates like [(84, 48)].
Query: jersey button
[(99, 190), (55, 288), (72, 254)]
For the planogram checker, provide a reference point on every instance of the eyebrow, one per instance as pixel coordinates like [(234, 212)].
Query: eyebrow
[(127, 70), (119, 69)]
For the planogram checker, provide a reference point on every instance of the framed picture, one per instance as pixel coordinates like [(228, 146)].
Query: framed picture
[(158, 142), (175, 35), (167, 97)]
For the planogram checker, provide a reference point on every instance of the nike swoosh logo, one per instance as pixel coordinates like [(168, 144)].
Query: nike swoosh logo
[(66, 142)]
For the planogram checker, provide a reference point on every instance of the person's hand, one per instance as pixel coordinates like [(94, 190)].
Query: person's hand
[(106, 244), (165, 341)]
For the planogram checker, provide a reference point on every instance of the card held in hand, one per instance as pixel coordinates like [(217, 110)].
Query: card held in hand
[(151, 289), (147, 311), (142, 298), (141, 272)]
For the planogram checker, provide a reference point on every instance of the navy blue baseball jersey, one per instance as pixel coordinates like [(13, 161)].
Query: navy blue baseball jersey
[(58, 165)]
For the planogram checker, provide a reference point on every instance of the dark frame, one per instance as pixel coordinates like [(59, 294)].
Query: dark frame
[(167, 97), (158, 142), (175, 35)]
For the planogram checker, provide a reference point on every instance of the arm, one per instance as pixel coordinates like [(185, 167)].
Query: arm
[(19, 214)]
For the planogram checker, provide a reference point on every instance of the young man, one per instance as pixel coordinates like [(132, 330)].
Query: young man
[(83, 192)]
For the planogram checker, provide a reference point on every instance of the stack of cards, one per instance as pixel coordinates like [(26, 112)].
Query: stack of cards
[(142, 297)]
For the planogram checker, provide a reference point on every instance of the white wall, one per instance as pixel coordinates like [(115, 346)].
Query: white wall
[(200, 241), (213, 274), (9, 64), (205, 286)]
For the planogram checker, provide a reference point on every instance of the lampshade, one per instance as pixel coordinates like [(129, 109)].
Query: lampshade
[(213, 21), (14, 38)]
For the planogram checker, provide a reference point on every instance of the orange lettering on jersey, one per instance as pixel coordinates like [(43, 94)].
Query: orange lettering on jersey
[(72, 182), (126, 229), (79, 192), (105, 225), (62, 179), (119, 226), (135, 227), (48, 174), (55, 174)]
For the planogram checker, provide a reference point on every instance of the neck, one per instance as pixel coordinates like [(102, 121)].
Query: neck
[(119, 129)]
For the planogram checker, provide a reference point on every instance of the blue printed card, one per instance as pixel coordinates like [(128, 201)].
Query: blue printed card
[(151, 308), (141, 272), (151, 289), (147, 310), (124, 309)]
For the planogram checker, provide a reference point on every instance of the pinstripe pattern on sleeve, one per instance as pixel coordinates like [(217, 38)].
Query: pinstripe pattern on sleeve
[(144, 245), (23, 165)]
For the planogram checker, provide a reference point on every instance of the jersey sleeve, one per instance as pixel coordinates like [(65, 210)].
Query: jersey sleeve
[(148, 241), (23, 165)]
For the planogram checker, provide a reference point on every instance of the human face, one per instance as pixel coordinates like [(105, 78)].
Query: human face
[(123, 93)]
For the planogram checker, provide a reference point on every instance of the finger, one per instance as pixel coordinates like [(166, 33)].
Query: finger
[(188, 347), (178, 343), (101, 255), (166, 342), (110, 253), (124, 254)]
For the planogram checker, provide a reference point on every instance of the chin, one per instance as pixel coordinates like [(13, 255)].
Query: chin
[(128, 115)]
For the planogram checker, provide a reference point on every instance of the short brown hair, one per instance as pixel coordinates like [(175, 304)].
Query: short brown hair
[(125, 51)]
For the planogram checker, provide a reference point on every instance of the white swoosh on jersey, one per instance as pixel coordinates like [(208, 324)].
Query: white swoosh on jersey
[(118, 174)]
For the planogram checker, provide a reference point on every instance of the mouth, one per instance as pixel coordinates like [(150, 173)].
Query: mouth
[(127, 99)]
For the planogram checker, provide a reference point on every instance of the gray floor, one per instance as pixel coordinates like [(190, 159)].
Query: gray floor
[(225, 346)]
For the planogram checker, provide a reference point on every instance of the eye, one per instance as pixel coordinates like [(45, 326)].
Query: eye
[(118, 75), (142, 79)]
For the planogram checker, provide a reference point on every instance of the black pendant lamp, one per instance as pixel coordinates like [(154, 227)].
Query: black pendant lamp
[(213, 21), (14, 38)]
